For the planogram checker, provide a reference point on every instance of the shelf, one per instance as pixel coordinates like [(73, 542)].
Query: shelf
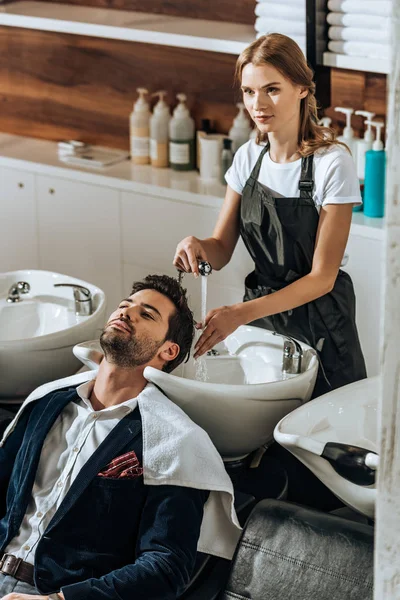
[(356, 63), (40, 156), (197, 34)]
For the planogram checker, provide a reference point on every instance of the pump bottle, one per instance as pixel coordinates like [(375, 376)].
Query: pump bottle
[(375, 175), (325, 122), (181, 138), (240, 131), (159, 124), (140, 130), (348, 132), (365, 143)]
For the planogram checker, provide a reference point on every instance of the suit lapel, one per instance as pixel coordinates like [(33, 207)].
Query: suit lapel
[(126, 430)]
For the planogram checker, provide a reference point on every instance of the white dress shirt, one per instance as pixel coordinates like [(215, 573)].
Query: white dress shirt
[(76, 434)]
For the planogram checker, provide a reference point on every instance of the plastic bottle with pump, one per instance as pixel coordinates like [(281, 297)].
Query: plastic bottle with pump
[(226, 158), (364, 144), (348, 137), (375, 175), (202, 132), (325, 122), (140, 130), (159, 136), (181, 138), (240, 131)]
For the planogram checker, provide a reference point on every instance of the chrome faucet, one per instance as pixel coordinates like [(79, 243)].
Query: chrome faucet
[(292, 355), (82, 297), (21, 287)]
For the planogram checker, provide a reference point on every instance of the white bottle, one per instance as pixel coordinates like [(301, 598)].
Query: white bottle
[(140, 130), (365, 143), (348, 132), (182, 138), (159, 123), (240, 131)]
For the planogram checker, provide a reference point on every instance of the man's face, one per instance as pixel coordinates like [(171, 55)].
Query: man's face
[(136, 331)]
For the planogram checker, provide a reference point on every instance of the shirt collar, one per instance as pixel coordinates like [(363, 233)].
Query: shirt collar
[(85, 389)]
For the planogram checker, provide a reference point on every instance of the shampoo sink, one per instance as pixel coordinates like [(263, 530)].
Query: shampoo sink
[(38, 328), (246, 393), (335, 436)]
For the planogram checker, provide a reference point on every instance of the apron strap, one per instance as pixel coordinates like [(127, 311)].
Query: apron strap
[(306, 183), (256, 170)]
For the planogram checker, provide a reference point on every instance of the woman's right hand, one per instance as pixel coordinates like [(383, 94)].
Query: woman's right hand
[(189, 252)]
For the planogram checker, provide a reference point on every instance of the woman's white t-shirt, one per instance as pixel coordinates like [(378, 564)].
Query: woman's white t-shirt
[(334, 174)]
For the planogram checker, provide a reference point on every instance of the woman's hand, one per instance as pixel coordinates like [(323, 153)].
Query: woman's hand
[(218, 324), (189, 252)]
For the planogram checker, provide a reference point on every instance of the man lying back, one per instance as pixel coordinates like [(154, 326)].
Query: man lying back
[(107, 488)]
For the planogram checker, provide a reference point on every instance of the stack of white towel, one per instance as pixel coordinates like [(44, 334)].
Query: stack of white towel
[(286, 16), (360, 27)]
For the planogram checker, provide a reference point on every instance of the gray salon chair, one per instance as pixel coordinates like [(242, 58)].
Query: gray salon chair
[(289, 552)]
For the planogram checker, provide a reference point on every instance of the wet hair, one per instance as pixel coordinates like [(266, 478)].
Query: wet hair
[(181, 323), (281, 52)]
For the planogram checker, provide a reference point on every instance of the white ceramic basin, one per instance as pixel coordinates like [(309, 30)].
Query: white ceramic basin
[(347, 415), (38, 333), (246, 394)]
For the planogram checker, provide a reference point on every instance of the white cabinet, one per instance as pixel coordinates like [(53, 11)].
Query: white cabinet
[(151, 229), (18, 224), (365, 266), (79, 233)]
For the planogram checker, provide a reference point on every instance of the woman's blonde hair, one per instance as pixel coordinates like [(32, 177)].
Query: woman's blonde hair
[(285, 55)]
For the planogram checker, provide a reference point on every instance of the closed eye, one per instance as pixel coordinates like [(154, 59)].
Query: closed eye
[(148, 316)]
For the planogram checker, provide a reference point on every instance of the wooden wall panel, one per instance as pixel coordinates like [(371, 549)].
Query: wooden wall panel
[(358, 90), (236, 11), (57, 86)]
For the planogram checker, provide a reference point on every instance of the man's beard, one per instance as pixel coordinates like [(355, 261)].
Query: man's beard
[(127, 351)]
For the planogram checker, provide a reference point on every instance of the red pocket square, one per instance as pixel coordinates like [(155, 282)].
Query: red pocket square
[(126, 465)]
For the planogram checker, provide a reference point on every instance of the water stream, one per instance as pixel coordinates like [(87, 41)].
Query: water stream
[(201, 373)]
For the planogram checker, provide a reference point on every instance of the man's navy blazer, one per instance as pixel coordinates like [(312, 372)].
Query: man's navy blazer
[(110, 538)]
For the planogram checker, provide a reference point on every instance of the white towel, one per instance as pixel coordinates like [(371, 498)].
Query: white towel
[(280, 11), (360, 49), (360, 21), (263, 24), (175, 452), (354, 34), (380, 8), (296, 3)]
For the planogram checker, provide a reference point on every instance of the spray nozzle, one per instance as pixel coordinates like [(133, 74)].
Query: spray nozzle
[(378, 144), (368, 135), (348, 132), (205, 269)]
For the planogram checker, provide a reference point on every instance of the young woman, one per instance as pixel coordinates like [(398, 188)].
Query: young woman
[(290, 197)]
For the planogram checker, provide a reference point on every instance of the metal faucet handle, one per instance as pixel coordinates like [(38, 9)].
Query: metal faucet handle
[(82, 297), (21, 287)]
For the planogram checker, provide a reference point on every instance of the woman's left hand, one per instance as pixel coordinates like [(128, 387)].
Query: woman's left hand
[(218, 324)]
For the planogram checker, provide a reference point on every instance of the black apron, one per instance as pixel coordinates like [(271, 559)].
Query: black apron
[(279, 234)]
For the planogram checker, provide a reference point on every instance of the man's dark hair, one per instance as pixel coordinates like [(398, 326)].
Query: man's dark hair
[(181, 323)]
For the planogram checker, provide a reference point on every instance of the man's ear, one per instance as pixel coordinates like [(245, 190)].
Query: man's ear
[(169, 352)]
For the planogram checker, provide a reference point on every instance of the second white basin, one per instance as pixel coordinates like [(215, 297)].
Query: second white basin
[(246, 393), (347, 415)]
